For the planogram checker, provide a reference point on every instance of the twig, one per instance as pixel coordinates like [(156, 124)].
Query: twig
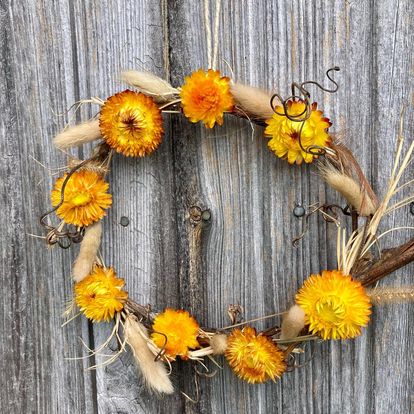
[(390, 261)]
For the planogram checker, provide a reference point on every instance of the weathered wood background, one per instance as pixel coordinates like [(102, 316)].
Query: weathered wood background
[(54, 53)]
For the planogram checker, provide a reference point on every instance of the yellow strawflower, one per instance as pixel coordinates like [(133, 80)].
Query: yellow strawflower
[(86, 198), (100, 294), (284, 133), (335, 305), (254, 358), (131, 123)]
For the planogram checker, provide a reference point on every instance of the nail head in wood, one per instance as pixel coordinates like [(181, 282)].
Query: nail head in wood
[(299, 211)]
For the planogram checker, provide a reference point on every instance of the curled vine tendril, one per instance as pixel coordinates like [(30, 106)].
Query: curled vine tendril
[(329, 215), (57, 235), (304, 96)]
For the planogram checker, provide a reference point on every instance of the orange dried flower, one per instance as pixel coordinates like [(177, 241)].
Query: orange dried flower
[(100, 294), (179, 328), (254, 358), (86, 198), (131, 123), (205, 96)]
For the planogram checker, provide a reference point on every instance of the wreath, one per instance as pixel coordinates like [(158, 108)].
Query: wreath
[(334, 304)]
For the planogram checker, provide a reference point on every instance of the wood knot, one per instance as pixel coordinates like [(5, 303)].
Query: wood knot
[(198, 215)]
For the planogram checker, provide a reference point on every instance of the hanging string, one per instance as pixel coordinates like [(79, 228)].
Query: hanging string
[(208, 31), (212, 47), (216, 34)]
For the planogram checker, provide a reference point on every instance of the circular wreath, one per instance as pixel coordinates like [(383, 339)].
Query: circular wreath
[(335, 304)]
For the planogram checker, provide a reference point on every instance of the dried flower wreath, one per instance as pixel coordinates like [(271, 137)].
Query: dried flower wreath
[(334, 304)]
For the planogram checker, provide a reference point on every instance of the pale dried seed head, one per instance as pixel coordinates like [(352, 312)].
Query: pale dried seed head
[(388, 295), (354, 194), (219, 343), (88, 250), (154, 372), (293, 322), (159, 89), (77, 135), (253, 101)]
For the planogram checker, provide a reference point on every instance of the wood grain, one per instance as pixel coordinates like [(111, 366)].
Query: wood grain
[(55, 53)]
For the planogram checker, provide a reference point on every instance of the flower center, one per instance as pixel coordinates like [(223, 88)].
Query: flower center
[(250, 362), (130, 121), (331, 309), (294, 135), (81, 199), (209, 99)]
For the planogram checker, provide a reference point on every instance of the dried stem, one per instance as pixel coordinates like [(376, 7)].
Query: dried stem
[(391, 260)]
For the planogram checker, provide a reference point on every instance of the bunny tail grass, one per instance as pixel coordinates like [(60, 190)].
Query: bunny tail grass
[(350, 190), (293, 322), (88, 251), (253, 101), (154, 372), (159, 89), (78, 135), (219, 343)]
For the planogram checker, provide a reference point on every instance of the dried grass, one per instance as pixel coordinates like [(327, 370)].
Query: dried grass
[(388, 295), (253, 102), (365, 237), (88, 251), (218, 343), (353, 192), (154, 372), (78, 135), (149, 84), (292, 323)]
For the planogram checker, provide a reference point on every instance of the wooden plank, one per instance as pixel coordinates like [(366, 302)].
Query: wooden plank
[(393, 67), (37, 83), (251, 194), (112, 36), (55, 54)]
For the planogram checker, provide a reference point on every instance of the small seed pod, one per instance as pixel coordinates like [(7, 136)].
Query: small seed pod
[(219, 344), (293, 322)]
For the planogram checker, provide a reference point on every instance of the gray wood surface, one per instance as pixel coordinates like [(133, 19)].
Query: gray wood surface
[(54, 53)]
